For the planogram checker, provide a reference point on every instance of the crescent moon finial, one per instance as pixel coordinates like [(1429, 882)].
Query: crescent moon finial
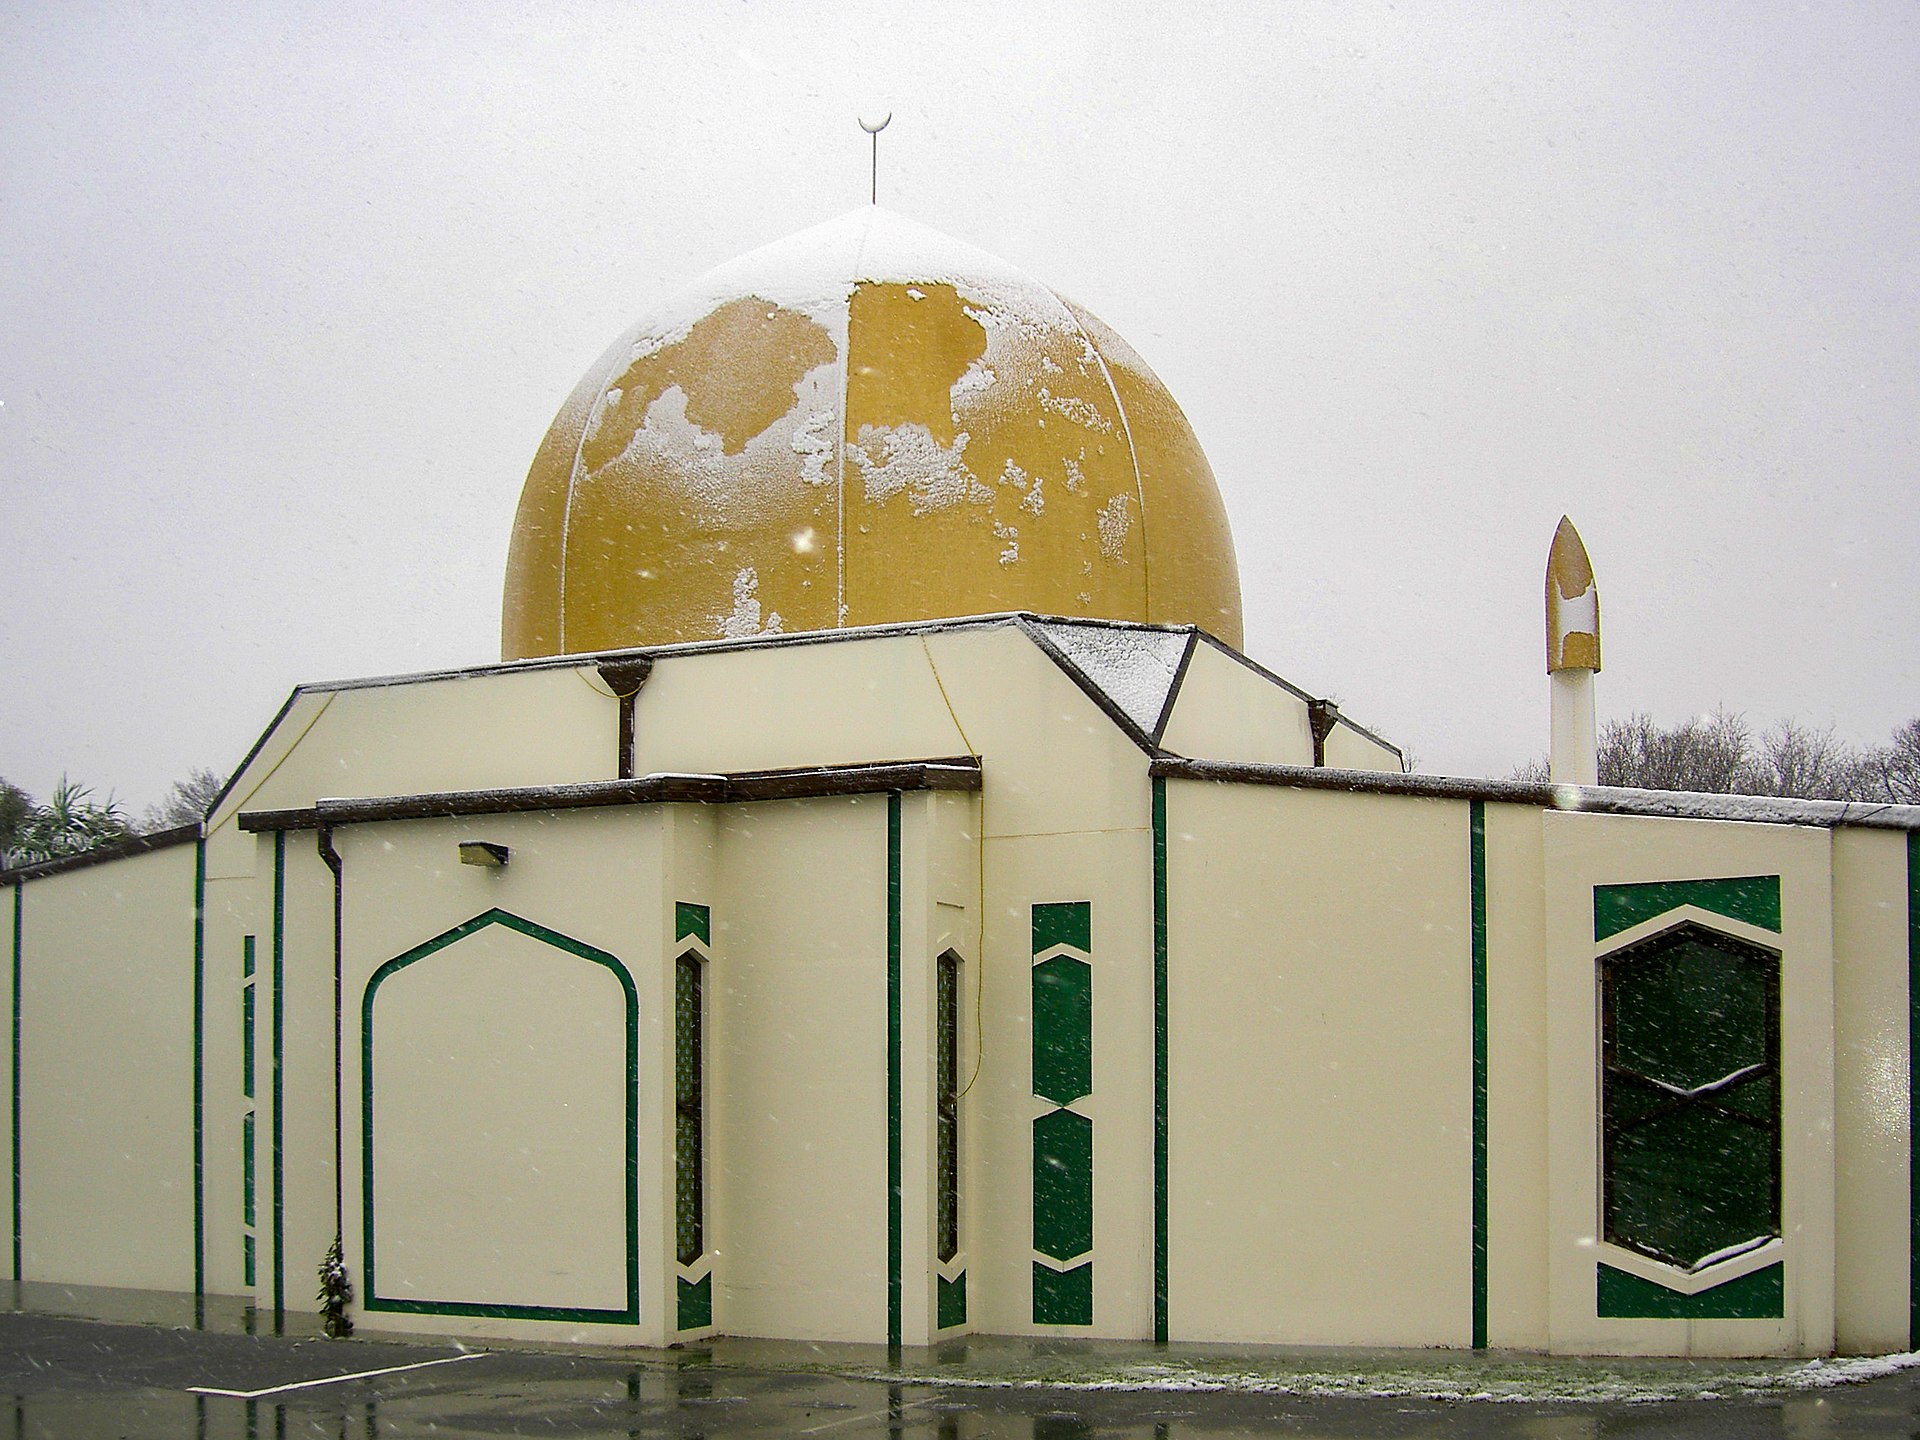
[(876, 129)]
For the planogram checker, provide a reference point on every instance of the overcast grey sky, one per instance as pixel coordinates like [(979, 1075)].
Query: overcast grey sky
[(289, 294)]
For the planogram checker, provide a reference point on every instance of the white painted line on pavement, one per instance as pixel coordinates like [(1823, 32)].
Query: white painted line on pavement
[(330, 1379)]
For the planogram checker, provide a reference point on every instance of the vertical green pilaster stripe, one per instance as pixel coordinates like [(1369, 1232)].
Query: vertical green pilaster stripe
[(19, 904), (893, 1069), (278, 1092), (1913, 1084), (199, 1080), (1160, 1061), (1477, 870)]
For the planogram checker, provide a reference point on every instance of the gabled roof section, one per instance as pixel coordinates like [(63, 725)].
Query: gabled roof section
[(1130, 671)]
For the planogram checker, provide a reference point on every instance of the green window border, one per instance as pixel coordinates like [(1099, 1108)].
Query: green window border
[(1754, 899), (1759, 1295), (630, 1314)]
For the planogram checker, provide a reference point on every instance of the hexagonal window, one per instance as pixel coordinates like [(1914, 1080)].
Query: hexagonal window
[(1690, 1095)]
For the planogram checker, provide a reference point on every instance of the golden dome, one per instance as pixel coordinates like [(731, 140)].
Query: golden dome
[(864, 423)]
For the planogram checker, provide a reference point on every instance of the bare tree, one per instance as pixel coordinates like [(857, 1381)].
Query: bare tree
[(1798, 761), (188, 801), (1711, 753), (1891, 772), (1719, 754)]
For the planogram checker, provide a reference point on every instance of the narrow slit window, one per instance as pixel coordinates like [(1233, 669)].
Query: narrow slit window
[(689, 1098), (246, 1169), (246, 1040), (947, 1104)]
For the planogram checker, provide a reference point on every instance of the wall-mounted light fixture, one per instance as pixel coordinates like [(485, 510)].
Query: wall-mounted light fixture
[(483, 852)]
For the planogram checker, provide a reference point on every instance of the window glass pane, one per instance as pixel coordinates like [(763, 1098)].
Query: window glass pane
[(947, 1102), (1690, 1164), (689, 1199)]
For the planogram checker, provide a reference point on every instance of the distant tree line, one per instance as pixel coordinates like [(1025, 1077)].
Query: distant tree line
[(1722, 754), (72, 820)]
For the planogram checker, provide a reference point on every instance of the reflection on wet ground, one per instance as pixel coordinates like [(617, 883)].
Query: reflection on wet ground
[(64, 1377)]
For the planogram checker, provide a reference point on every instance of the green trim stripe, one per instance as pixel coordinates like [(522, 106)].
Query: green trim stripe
[(1062, 1297), (19, 906), (278, 1089), (1062, 1074), (1160, 1051), (950, 1301), (1913, 1085), (694, 920), (630, 1314), (894, 1218), (1068, 923), (1752, 898), (693, 1301), (1760, 1295), (1477, 882), (199, 1081)]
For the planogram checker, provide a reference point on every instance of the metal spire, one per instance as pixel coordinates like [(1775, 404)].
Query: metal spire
[(873, 131)]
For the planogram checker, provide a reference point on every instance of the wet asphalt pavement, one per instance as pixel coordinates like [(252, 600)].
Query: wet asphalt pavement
[(76, 1378)]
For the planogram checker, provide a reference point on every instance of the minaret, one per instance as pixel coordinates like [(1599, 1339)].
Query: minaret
[(1573, 658)]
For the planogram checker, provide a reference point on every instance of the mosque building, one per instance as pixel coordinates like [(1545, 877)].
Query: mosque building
[(874, 899)]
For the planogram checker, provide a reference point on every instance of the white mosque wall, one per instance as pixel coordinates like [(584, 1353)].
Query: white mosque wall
[(1516, 1078), (1322, 966), (1055, 762), (1321, 1067), (1583, 852), (785, 706), (943, 865), (277, 742), (1110, 872), (1348, 748), (297, 1192), (237, 960), (1225, 711), (682, 888), (799, 1157), (106, 1103), (484, 729), (1872, 1201), (512, 995)]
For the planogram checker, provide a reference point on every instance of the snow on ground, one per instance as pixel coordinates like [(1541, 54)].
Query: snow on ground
[(1488, 1377)]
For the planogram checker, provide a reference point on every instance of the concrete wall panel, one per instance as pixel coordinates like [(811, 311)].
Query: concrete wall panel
[(1225, 711), (1872, 1126), (1321, 1076), (107, 1065)]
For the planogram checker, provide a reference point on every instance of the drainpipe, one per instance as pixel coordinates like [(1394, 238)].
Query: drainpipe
[(624, 678)]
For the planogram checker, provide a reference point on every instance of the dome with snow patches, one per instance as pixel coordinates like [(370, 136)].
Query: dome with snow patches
[(865, 423)]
